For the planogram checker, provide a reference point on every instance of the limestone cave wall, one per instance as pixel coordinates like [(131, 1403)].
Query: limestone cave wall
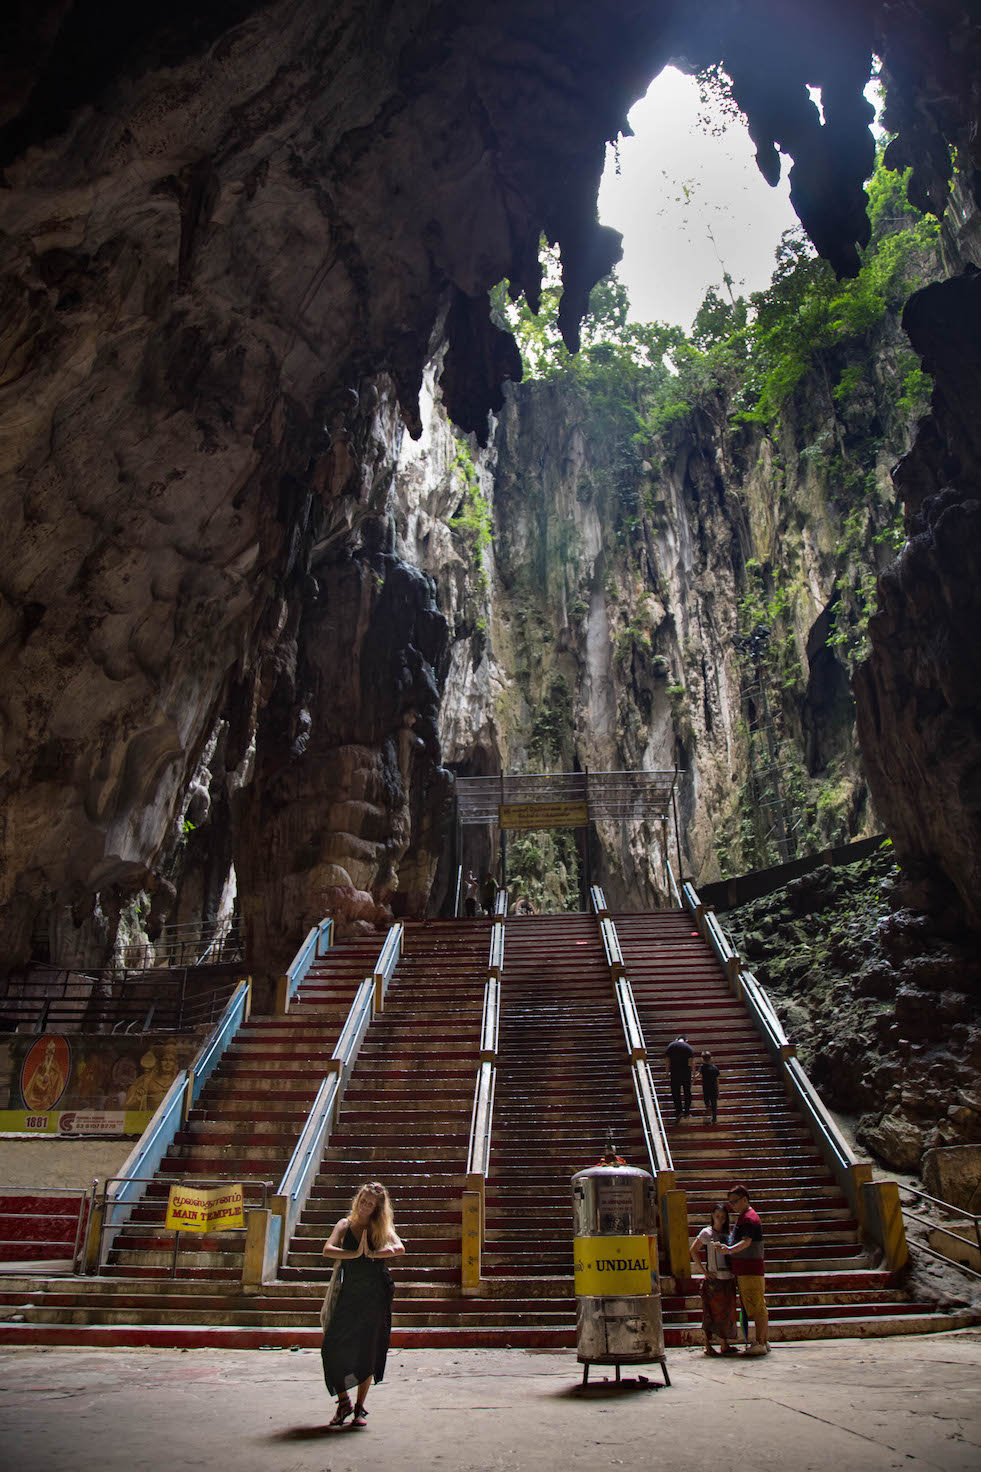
[(231, 237), (606, 625)]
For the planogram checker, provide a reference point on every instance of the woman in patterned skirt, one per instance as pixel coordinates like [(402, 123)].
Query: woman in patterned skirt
[(718, 1287)]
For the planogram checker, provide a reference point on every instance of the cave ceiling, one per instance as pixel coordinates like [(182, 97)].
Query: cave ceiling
[(231, 236)]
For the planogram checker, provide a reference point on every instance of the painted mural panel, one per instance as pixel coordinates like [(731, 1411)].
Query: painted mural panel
[(54, 1084)]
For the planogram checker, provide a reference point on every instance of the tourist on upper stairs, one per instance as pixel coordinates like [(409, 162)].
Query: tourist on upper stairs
[(470, 895), (680, 1054), (718, 1287), (358, 1323), (710, 1086), (488, 894), (746, 1260)]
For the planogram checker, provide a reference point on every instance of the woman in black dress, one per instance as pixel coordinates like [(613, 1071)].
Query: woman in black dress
[(356, 1339)]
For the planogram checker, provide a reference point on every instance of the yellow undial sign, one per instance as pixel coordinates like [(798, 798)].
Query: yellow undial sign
[(613, 1267)]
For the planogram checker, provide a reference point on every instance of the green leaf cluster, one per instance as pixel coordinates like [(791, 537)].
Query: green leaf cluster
[(743, 358)]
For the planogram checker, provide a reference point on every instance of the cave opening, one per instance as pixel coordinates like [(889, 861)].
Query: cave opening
[(221, 320)]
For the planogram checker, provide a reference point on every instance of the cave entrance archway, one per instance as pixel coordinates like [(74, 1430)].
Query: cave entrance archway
[(535, 801)]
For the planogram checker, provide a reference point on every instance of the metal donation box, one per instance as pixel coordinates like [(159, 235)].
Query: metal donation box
[(618, 1295)]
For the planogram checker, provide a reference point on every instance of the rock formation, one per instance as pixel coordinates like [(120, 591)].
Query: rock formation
[(231, 238)]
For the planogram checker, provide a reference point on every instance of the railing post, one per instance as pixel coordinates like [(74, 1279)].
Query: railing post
[(263, 1228), (93, 1238), (883, 1222), (673, 1210), (473, 1214), (282, 1002)]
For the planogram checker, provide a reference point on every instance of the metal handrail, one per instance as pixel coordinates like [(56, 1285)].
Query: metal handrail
[(767, 1020), (632, 1030), (673, 883), (652, 1121), (690, 897), (814, 1106), (950, 1262), (388, 955), (717, 939), (301, 1169), (147, 1154), (228, 1024), (954, 1211), (159, 1134), (196, 1182), (970, 1216), (300, 964), (501, 903), (491, 1017), (495, 955), (86, 1197), (318, 1117), (457, 891), (355, 1026), (317, 940), (384, 968), (481, 1121)]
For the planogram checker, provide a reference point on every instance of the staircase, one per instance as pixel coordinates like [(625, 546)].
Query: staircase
[(406, 1122), (563, 1079), (821, 1282), (243, 1128)]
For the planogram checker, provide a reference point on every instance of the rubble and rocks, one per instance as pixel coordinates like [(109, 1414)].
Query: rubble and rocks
[(885, 1012)]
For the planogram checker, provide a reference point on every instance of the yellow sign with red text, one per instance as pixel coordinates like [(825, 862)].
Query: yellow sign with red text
[(543, 815), (218, 1210)]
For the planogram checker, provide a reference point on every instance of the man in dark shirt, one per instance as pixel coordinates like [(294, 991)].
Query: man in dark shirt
[(710, 1086), (746, 1261), (680, 1054)]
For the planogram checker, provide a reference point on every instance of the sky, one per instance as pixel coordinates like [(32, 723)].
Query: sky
[(669, 258)]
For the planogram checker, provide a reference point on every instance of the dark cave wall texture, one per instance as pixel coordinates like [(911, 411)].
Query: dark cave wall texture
[(231, 237)]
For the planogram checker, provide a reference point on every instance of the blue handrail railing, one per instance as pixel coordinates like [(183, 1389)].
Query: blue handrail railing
[(236, 1012)]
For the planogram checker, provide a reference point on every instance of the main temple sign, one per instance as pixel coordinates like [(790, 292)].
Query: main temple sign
[(543, 814), (192, 1210)]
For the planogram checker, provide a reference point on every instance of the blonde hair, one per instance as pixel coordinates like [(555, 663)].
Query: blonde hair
[(381, 1223)]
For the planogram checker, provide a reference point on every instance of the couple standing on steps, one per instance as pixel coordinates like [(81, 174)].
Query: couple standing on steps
[(731, 1255), (681, 1063)]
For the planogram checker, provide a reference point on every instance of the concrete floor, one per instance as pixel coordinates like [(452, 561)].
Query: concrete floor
[(833, 1406)]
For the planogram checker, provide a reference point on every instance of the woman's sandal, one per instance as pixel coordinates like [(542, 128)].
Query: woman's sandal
[(360, 1415), (344, 1409)]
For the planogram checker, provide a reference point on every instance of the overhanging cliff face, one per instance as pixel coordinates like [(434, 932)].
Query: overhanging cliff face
[(918, 693), (625, 581), (229, 243)]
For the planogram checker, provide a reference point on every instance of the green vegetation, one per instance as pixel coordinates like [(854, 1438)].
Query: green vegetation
[(551, 733), (472, 523), (743, 358), (543, 865), (801, 393)]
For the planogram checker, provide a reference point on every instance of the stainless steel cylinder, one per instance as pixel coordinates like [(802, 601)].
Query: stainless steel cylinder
[(618, 1296)]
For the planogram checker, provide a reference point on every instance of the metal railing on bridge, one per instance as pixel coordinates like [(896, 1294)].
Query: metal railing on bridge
[(50, 1000)]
